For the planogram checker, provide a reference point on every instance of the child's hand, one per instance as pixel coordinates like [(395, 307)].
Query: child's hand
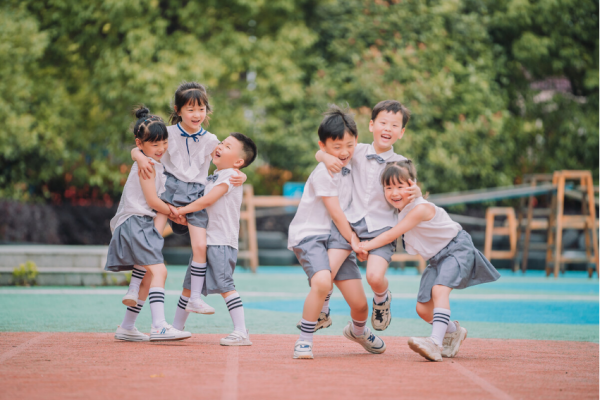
[(174, 211), (413, 191), (333, 164), (362, 255), (239, 179), (355, 243), (145, 167)]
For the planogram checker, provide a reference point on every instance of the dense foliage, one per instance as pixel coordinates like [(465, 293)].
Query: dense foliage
[(497, 88)]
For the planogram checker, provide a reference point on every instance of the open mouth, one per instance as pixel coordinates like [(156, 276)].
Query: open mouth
[(344, 159), (196, 121), (386, 136), (396, 200), (217, 153)]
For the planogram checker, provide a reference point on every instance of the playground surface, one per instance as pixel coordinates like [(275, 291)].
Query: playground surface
[(529, 337)]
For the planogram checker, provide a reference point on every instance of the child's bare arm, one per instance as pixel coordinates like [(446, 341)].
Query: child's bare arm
[(333, 164), (205, 201), (145, 168), (152, 199), (422, 212), (332, 204)]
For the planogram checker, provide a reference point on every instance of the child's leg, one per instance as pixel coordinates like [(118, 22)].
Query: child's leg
[(160, 222), (132, 312), (181, 315), (354, 294), (336, 259), (236, 310), (376, 268), (132, 296), (320, 285), (437, 312), (157, 294), (198, 266)]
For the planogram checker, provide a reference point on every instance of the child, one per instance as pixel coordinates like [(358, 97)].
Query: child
[(186, 164), (453, 260), (136, 244), (369, 214), (323, 201), (222, 202)]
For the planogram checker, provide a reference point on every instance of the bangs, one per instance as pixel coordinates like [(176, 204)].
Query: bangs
[(156, 132), (194, 97), (399, 172)]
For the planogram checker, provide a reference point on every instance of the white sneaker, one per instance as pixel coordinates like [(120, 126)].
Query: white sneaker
[(382, 315), (132, 335), (198, 306), (324, 321), (371, 343), (131, 298), (236, 338), (452, 341), (425, 347), (303, 350), (167, 332)]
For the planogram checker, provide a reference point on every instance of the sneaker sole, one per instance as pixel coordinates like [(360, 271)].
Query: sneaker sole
[(418, 349), (130, 302), (455, 352), (162, 339), (199, 312), (372, 351), (236, 344), (303, 357), (132, 338)]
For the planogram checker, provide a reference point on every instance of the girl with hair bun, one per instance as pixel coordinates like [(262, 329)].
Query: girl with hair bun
[(186, 163), (136, 244)]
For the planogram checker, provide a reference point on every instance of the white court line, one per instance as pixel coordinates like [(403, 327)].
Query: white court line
[(482, 383), (16, 350), (230, 375), (455, 295)]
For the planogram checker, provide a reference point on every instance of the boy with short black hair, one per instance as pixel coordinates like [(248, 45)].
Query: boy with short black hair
[(369, 213), (323, 202), (222, 202)]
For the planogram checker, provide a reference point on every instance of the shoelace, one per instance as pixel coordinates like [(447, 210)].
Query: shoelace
[(379, 315), (371, 338)]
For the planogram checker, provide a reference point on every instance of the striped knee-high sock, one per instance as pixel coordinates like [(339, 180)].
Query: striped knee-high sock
[(131, 315), (358, 327), (236, 310), (157, 306), (180, 314), (325, 308), (307, 329), (198, 271), (137, 274), (441, 322)]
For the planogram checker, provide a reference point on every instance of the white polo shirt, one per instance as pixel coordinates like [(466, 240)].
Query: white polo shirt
[(133, 201), (368, 200), (192, 167), (429, 237), (312, 217), (224, 215)]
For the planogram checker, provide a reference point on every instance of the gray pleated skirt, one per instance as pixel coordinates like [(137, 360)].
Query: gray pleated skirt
[(457, 266), (135, 242)]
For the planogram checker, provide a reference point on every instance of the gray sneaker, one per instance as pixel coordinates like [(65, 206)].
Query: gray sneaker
[(324, 321), (452, 341), (371, 343), (382, 315), (425, 347)]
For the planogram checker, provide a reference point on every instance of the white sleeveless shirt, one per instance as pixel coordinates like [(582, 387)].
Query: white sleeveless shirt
[(429, 237), (133, 201)]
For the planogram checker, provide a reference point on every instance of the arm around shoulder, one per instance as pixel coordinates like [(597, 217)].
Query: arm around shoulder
[(149, 189)]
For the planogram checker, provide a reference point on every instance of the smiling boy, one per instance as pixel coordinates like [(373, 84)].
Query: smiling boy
[(369, 213)]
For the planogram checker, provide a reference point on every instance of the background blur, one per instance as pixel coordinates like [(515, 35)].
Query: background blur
[(497, 89)]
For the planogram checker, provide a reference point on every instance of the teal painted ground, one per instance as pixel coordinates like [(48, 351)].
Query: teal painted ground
[(515, 307)]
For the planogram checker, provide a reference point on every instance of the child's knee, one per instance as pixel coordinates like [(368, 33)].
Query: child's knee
[(199, 249), (424, 312), (375, 277), (321, 283)]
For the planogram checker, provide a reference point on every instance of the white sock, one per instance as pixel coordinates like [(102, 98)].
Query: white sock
[(157, 306), (325, 308), (131, 315), (198, 273), (307, 329), (180, 314), (236, 310), (380, 297), (358, 327), (137, 274), (441, 318)]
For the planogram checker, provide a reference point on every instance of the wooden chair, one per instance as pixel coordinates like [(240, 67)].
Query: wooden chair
[(509, 230)]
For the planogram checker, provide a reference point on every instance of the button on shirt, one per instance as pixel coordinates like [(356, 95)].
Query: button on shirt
[(312, 217), (224, 215), (368, 200), (192, 167)]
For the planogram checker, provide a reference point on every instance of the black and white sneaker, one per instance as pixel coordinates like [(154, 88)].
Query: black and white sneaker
[(371, 343), (324, 321), (382, 315)]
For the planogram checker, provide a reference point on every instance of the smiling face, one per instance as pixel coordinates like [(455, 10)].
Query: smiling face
[(228, 154), (154, 150), (386, 128), (192, 115), (396, 193), (340, 148)]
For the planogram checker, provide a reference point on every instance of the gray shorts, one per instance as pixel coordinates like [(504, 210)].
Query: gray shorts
[(457, 266), (135, 242), (179, 194), (337, 241), (312, 255), (221, 262)]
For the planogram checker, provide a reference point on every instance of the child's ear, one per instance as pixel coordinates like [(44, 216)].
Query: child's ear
[(138, 143), (322, 146), (401, 133), (371, 126), (239, 163), (176, 110)]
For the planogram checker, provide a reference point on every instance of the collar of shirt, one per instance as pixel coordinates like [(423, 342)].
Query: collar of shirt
[(201, 132), (385, 156)]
